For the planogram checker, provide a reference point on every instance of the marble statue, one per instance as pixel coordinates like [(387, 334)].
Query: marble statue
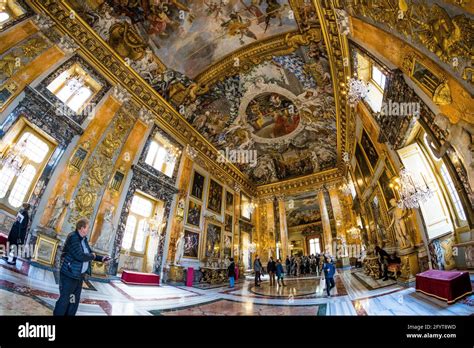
[(179, 249), (401, 230), (107, 233), (59, 205), (460, 138)]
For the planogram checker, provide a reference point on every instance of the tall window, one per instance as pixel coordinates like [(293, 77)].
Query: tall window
[(162, 156), (34, 151), (369, 72), (435, 210), (74, 87), (136, 228), (314, 246), (447, 182)]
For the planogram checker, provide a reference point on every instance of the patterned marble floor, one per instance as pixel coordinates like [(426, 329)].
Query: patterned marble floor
[(28, 290)]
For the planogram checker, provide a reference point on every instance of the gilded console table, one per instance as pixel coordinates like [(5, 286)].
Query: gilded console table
[(213, 275)]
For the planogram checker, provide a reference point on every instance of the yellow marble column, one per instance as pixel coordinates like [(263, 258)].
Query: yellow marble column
[(341, 252), (270, 233), (285, 247), (183, 187), (325, 221), (236, 238)]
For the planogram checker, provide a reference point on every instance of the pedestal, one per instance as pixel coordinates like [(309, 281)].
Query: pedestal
[(190, 276), (176, 274), (409, 267)]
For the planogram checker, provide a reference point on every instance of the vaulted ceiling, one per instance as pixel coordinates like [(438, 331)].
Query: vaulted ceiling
[(239, 73)]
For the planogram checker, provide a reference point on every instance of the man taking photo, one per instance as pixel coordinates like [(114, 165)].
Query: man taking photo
[(75, 266)]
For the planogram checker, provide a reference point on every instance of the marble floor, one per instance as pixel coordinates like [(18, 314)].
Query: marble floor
[(29, 290)]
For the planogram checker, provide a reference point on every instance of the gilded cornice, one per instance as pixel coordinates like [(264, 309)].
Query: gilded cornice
[(308, 183), (255, 53), (116, 69)]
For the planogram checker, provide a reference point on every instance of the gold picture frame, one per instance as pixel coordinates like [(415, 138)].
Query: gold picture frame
[(215, 194), (45, 250), (217, 243)]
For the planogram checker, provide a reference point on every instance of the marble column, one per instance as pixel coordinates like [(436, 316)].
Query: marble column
[(341, 253), (285, 247), (270, 233), (327, 234), (183, 186), (236, 239)]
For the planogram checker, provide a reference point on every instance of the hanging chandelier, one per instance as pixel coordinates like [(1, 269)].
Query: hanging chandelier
[(251, 208), (14, 158), (357, 90), (411, 191), (354, 232), (252, 247), (345, 187)]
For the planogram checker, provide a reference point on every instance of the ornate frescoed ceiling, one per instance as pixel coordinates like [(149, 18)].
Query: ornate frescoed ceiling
[(280, 109)]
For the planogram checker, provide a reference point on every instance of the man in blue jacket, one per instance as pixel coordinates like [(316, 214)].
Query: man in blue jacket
[(329, 271), (75, 266)]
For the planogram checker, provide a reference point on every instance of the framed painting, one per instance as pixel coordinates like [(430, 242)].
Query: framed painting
[(214, 197), (359, 179), (387, 191), (228, 223), (193, 216), (227, 246), (191, 244), (369, 149), (363, 165), (197, 186), (213, 240), (229, 201), (45, 250)]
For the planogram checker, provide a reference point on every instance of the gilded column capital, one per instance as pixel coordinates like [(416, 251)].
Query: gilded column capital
[(146, 116), (43, 22)]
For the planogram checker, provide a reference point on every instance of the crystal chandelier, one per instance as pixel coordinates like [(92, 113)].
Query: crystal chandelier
[(172, 153), (411, 192), (251, 208), (345, 187), (353, 232), (252, 247), (357, 90), (14, 158)]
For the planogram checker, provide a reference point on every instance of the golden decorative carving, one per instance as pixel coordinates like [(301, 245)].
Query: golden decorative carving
[(430, 25), (100, 166), (126, 42), (442, 94)]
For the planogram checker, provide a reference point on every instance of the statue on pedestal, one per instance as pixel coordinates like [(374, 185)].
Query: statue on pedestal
[(179, 249), (402, 234), (59, 204), (107, 233)]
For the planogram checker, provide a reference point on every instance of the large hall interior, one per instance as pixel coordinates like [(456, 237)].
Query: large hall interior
[(238, 157)]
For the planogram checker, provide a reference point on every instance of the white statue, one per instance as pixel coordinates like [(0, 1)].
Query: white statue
[(107, 233), (59, 205), (401, 230), (179, 249), (460, 138)]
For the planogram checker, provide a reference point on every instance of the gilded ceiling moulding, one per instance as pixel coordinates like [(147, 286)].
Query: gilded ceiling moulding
[(117, 70)]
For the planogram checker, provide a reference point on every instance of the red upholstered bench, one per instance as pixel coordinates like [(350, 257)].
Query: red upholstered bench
[(139, 278), (445, 285), (3, 239)]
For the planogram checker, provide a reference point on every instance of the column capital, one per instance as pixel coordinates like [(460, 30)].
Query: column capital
[(120, 94)]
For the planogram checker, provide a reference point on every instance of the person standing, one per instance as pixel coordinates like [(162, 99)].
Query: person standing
[(329, 272), (75, 266), (279, 272), (231, 272), (271, 269), (17, 235), (288, 265), (257, 268), (383, 261)]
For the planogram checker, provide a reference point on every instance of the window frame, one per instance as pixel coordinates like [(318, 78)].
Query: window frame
[(166, 168), (75, 70), (12, 137)]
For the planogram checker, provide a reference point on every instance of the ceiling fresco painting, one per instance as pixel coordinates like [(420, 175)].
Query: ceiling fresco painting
[(188, 36), (282, 109)]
